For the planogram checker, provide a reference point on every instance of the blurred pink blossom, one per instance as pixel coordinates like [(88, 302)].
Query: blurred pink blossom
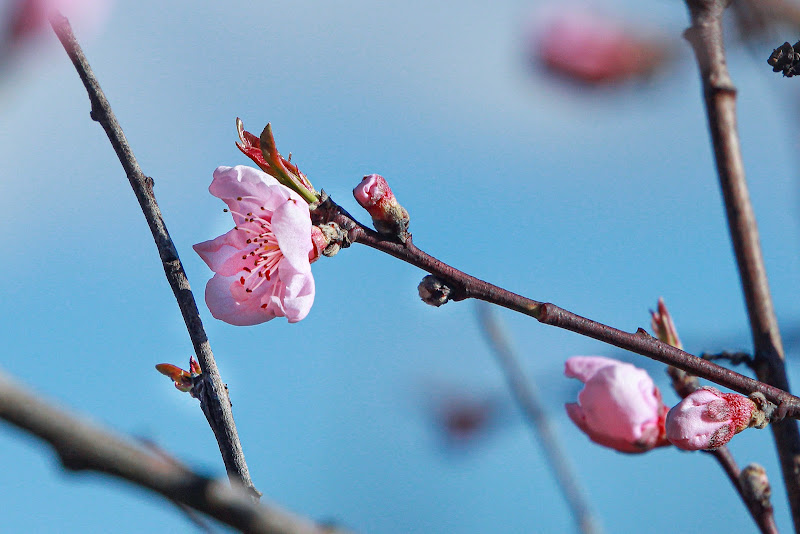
[(593, 49), (262, 266), (619, 406), (708, 419), (29, 17)]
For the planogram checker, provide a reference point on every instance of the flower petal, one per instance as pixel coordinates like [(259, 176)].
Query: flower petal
[(223, 306), (223, 255), (585, 367), (291, 225)]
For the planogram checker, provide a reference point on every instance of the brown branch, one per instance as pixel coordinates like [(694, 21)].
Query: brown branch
[(465, 286), (528, 398), (214, 399), (82, 446), (705, 35), (761, 512)]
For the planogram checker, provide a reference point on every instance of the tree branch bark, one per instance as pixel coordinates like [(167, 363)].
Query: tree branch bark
[(705, 35), (465, 286), (83, 446), (213, 396)]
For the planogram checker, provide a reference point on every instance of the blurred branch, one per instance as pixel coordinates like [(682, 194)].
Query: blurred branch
[(760, 510), (705, 35), (463, 286), (527, 397), (82, 446), (214, 399)]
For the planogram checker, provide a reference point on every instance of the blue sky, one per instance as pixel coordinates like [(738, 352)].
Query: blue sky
[(598, 200)]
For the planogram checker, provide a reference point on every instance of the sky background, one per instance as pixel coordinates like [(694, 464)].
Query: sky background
[(599, 200)]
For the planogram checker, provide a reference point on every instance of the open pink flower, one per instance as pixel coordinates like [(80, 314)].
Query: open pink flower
[(619, 406), (708, 419), (262, 266)]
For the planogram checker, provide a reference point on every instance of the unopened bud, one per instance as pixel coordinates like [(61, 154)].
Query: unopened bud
[(433, 291), (663, 326), (184, 380), (755, 485), (708, 419), (388, 216)]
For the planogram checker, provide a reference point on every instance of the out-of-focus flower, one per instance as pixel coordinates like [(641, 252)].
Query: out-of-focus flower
[(27, 18), (262, 266), (619, 406), (708, 419), (593, 49), (263, 151), (375, 196), (184, 380)]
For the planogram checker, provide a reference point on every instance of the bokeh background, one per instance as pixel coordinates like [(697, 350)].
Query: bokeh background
[(600, 199)]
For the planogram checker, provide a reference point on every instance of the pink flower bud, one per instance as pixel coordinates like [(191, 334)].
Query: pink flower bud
[(375, 196), (619, 406), (708, 419)]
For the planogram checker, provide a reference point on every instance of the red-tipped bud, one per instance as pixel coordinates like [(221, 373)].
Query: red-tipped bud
[(388, 216), (184, 380), (663, 326), (708, 419)]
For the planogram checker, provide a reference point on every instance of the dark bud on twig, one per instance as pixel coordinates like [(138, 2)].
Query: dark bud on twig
[(334, 238), (755, 485), (786, 58), (433, 291)]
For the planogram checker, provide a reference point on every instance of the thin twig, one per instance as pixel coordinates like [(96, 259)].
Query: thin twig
[(464, 286), (736, 358), (705, 35), (214, 399), (528, 398), (762, 513), (82, 446)]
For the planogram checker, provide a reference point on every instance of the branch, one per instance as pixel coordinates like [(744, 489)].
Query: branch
[(82, 446), (527, 397), (214, 399), (761, 511), (464, 286), (705, 35)]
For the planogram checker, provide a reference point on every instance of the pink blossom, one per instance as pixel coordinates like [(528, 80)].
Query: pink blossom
[(375, 196), (708, 419), (619, 406), (593, 49), (262, 266)]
